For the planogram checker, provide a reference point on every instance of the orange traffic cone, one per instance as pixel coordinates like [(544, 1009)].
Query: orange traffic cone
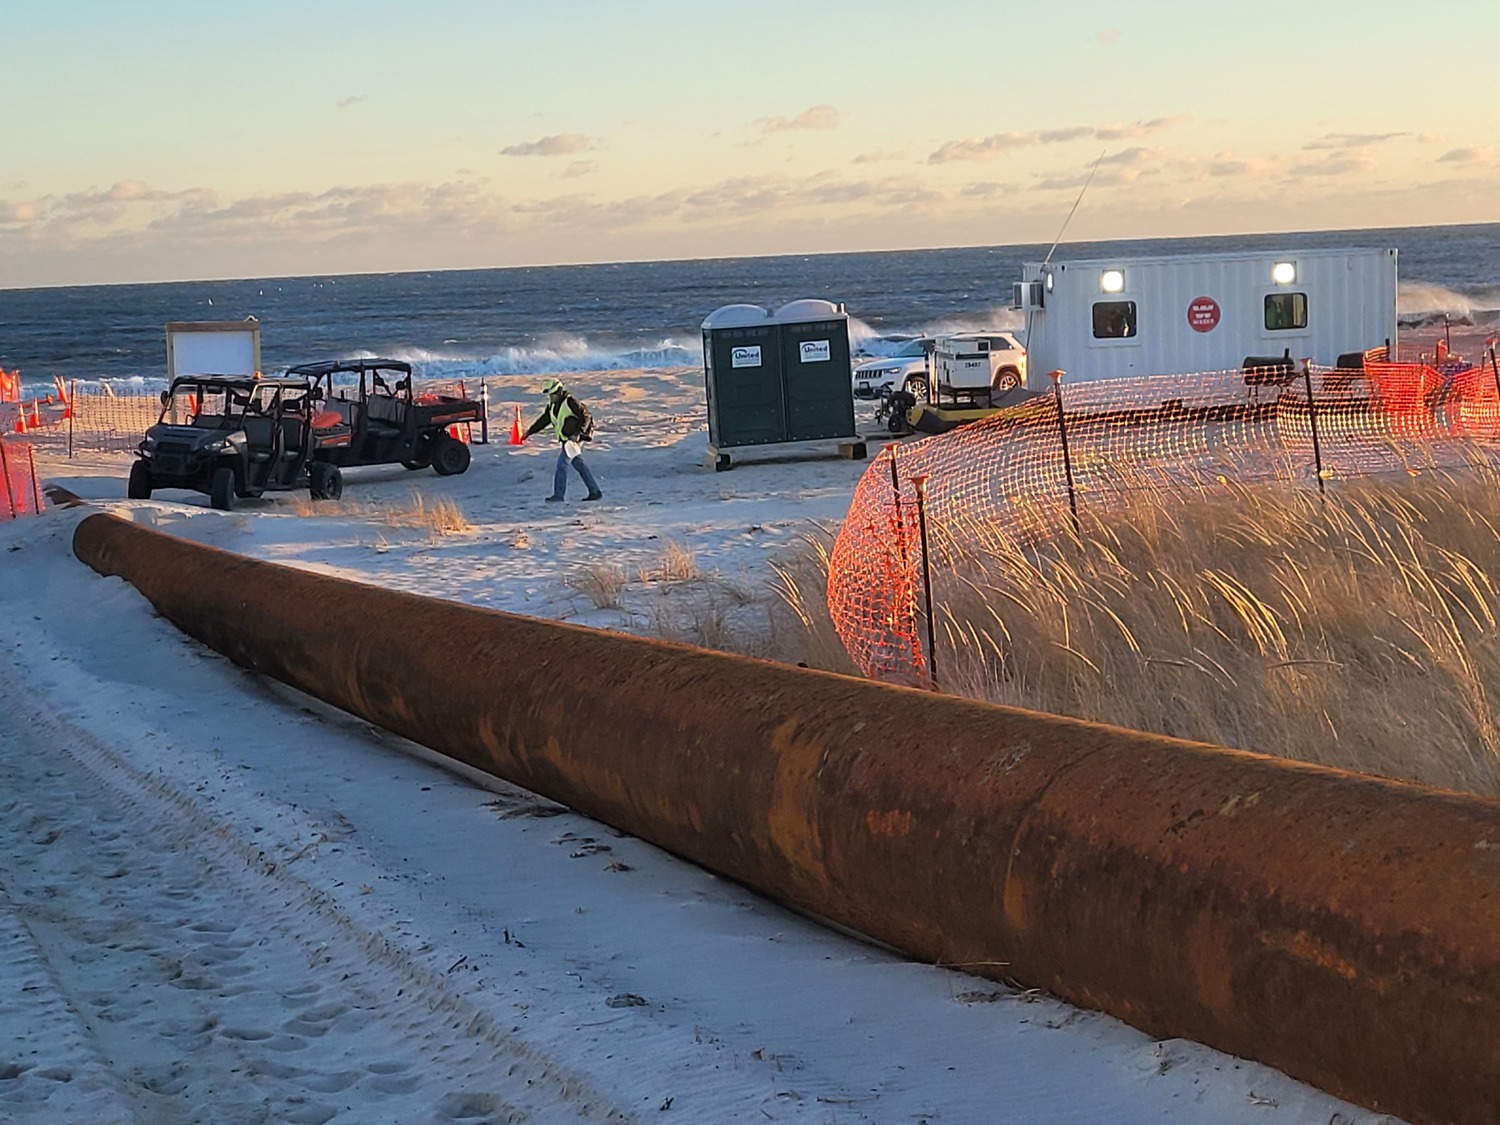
[(21, 418), (36, 413), (516, 436)]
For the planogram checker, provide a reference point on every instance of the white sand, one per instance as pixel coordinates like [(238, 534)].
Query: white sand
[(222, 903)]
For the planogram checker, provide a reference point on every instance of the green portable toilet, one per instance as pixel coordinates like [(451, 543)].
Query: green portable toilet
[(776, 382), (742, 376), (815, 362)]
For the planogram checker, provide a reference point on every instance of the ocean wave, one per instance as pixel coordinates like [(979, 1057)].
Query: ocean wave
[(557, 353), (1420, 303)]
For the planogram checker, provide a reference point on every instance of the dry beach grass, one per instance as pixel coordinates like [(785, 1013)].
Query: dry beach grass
[(1361, 631)]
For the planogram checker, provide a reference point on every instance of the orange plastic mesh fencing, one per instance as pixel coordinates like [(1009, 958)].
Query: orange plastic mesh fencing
[(20, 488), (1022, 473)]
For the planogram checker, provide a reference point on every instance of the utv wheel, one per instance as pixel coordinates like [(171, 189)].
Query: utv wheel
[(1006, 379), (421, 455), (449, 456), (221, 490), (414, 465), (325, 482), (139, 485)]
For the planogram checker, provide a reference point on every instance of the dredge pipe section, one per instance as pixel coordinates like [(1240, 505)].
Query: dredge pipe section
[(1343, 929)]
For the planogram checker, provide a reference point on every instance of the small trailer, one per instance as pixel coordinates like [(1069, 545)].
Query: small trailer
[(1106, 318)]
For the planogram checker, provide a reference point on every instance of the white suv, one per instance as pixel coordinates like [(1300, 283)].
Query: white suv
[(878, 377)]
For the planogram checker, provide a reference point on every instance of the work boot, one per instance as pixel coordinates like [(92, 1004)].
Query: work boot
[(594, 496), (554, 499)]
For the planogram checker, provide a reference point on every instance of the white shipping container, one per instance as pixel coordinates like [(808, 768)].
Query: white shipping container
[(1107, 318)]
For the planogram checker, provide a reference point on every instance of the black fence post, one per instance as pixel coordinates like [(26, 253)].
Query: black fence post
[(1312, 418), (1495, 368), (1062, 429), (920, 481), (484, 411)]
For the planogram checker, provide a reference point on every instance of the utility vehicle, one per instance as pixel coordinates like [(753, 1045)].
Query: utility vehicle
[(234, 436)]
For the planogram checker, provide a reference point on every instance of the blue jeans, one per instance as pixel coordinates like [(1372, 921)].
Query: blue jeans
[(560, 475)]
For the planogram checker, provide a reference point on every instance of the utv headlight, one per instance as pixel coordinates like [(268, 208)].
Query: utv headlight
[(215, 446)]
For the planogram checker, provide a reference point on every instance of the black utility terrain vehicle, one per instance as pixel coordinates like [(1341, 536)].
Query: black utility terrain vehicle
[(234, 435), (383, 422)]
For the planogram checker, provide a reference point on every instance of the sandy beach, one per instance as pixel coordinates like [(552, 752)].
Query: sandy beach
[(222, 902)]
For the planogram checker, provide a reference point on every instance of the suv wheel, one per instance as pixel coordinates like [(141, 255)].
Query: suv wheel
[(1006, 379), (221, 489), (449, 456), (916, 386), (139, 485)]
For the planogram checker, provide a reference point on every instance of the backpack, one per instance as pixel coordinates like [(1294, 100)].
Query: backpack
[(585, 422)]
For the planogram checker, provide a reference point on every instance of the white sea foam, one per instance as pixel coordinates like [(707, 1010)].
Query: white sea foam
[(1421, 302)]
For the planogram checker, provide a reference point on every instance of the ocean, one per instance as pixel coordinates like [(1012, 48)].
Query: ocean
[(469, 323)]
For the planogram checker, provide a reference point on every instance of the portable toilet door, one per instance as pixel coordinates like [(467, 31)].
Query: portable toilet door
[(742, 377), (815, 360)]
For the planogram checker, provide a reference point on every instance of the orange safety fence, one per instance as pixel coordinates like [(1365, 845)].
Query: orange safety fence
[(939, 504), (20, 487)]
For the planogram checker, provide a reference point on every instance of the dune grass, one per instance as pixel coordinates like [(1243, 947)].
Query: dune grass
[(437, 515), (1361, 631)]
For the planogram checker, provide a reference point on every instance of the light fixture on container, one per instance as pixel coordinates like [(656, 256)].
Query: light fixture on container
[(1112, 281), (1284, 273)]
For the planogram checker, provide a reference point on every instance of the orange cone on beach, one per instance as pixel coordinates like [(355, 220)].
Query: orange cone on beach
[(21, 419), (516, 436)]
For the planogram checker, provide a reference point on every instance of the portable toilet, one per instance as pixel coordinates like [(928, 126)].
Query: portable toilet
[(778, 383)]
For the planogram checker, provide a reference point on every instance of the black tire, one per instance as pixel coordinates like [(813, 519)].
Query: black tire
[(722, 463), (221, 489), (449, 456), (324, 481), (1006, 379), (139, 485), (415, 465)]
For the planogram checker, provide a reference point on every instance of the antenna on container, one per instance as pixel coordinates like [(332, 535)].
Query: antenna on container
[(1076, 202)]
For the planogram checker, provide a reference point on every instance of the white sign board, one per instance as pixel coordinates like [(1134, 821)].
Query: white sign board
[(213, 348), (745, 357), (816, 351)]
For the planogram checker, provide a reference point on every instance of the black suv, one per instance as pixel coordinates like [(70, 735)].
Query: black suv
[(383, 420), (234, 435)]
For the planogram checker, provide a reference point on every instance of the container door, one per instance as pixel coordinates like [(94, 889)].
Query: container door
[(819, 398), (745, 404)]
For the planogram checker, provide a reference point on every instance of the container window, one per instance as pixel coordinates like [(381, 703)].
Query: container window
[(1285, 311), (1114, 320)]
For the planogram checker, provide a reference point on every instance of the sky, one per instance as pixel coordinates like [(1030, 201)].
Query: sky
[(167, 140)]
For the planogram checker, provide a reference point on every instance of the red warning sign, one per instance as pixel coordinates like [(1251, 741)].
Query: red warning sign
[(1203, 314)]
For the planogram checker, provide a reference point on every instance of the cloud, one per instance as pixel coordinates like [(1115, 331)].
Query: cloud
[(980, 148), (1341, 163), (1351, 140), (1106, 38), (354, 99), (580, 168), (1472, 154), (559, 144), (1137, 129), (818, 117), (876, 157)]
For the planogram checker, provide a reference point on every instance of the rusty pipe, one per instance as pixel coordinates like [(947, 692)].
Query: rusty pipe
[(1338, 927)]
